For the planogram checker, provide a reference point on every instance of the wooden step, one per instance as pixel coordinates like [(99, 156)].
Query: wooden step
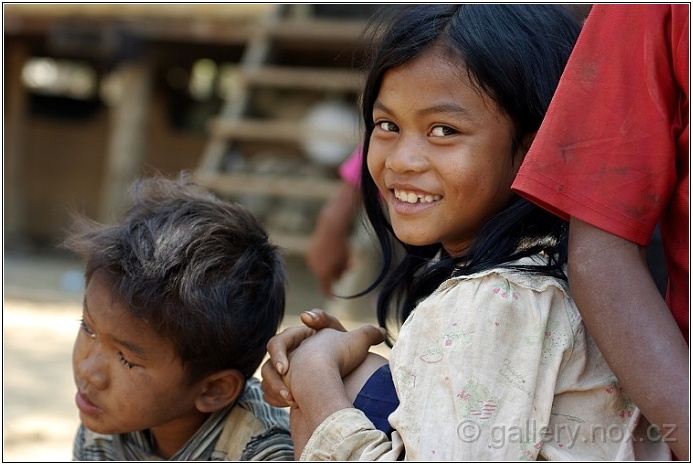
[(270, 131), (269, 185), (305, 78), (255, 129), (319, 31)]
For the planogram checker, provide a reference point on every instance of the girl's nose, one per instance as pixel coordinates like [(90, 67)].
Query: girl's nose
[(407, 155)]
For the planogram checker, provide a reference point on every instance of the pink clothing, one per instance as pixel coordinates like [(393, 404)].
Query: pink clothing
[(350, 170)]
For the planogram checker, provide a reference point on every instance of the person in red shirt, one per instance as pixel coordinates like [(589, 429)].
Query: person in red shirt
[(612, 157)]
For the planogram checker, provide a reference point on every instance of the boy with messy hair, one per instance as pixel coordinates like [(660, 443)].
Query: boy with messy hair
[(182, 295)]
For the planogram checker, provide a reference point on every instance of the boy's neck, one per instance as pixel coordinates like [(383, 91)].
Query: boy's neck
[(168, 439)]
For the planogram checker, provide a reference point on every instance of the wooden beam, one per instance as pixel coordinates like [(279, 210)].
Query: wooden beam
[(270, 185), (320, 30), (128, 134), (15, 110), (295, 131), (304, 78)]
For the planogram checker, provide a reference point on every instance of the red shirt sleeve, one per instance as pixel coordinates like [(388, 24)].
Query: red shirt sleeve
[(613, 143)]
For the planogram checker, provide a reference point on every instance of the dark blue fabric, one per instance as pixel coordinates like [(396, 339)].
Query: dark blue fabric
[(378, 399)]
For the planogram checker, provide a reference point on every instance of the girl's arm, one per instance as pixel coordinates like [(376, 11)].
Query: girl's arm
[(317, 366), (278, 348), (277, 393)]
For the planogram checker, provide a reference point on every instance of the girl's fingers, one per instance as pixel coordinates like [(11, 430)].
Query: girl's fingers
[(280, 345), (273, 386), (320, 319)]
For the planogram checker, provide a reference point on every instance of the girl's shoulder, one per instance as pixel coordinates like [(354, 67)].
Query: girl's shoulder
[(514, 273), (505, 290)]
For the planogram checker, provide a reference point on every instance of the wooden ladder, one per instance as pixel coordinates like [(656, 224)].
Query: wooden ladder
[(256, 157)]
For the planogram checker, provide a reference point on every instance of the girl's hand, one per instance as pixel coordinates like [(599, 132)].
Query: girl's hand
[(318, 366), (275, 391), (330, 352)]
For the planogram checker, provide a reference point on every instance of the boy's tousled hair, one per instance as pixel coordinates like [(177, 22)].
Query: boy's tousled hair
[(199, 270), (516, 55)]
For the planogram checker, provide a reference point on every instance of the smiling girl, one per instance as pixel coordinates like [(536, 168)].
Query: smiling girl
[(491, 361)]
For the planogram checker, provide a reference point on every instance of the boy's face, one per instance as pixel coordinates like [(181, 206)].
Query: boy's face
[(128, 377)]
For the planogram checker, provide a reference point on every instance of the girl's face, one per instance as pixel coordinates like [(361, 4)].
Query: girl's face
[(440, 153), (128, 377)]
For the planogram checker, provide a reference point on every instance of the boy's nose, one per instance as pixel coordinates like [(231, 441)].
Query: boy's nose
[(92, 367)]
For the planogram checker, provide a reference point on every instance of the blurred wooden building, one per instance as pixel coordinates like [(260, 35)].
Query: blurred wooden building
[(259, 100)]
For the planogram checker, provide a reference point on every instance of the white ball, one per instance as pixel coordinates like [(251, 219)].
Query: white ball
[(330, 132)]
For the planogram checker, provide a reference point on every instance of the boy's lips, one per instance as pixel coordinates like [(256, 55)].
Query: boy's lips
[(85, 405)]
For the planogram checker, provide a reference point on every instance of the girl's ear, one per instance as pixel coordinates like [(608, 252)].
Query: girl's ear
[(219, 390), (527, 142), (522, 150)]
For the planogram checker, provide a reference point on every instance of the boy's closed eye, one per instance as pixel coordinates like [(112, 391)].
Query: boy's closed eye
[(125, 360), (85, 327)]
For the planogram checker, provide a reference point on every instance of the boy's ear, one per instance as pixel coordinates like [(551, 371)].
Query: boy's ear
[(219, 390)]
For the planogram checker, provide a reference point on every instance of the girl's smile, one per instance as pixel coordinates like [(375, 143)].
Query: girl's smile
[(408, 200), (411, 197)]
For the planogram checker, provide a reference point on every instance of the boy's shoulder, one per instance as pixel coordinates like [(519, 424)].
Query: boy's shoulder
[(251, 429), (254, 430), (90, 446)]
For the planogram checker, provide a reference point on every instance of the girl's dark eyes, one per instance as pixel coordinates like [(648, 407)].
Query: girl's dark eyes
[(442, 131), (436, 131), (387, 126)]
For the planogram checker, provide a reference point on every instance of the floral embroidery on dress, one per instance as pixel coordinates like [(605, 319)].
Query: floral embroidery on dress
[(451, 337), (453, 334), (553, 340), (474, 402), (432, 354), (404, 380), (504, 290), (530, 450)]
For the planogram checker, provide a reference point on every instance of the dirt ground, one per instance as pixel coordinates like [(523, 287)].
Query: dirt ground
[(41, 308)]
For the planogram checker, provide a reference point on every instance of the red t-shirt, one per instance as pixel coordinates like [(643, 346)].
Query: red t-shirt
[(613, 147)]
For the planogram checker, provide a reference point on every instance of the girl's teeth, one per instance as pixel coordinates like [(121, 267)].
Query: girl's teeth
[(410, 197)]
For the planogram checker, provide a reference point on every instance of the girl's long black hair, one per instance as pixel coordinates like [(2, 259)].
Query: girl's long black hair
[(514, 53)]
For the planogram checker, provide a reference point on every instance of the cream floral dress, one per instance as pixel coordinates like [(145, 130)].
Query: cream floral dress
[(496, 366)]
